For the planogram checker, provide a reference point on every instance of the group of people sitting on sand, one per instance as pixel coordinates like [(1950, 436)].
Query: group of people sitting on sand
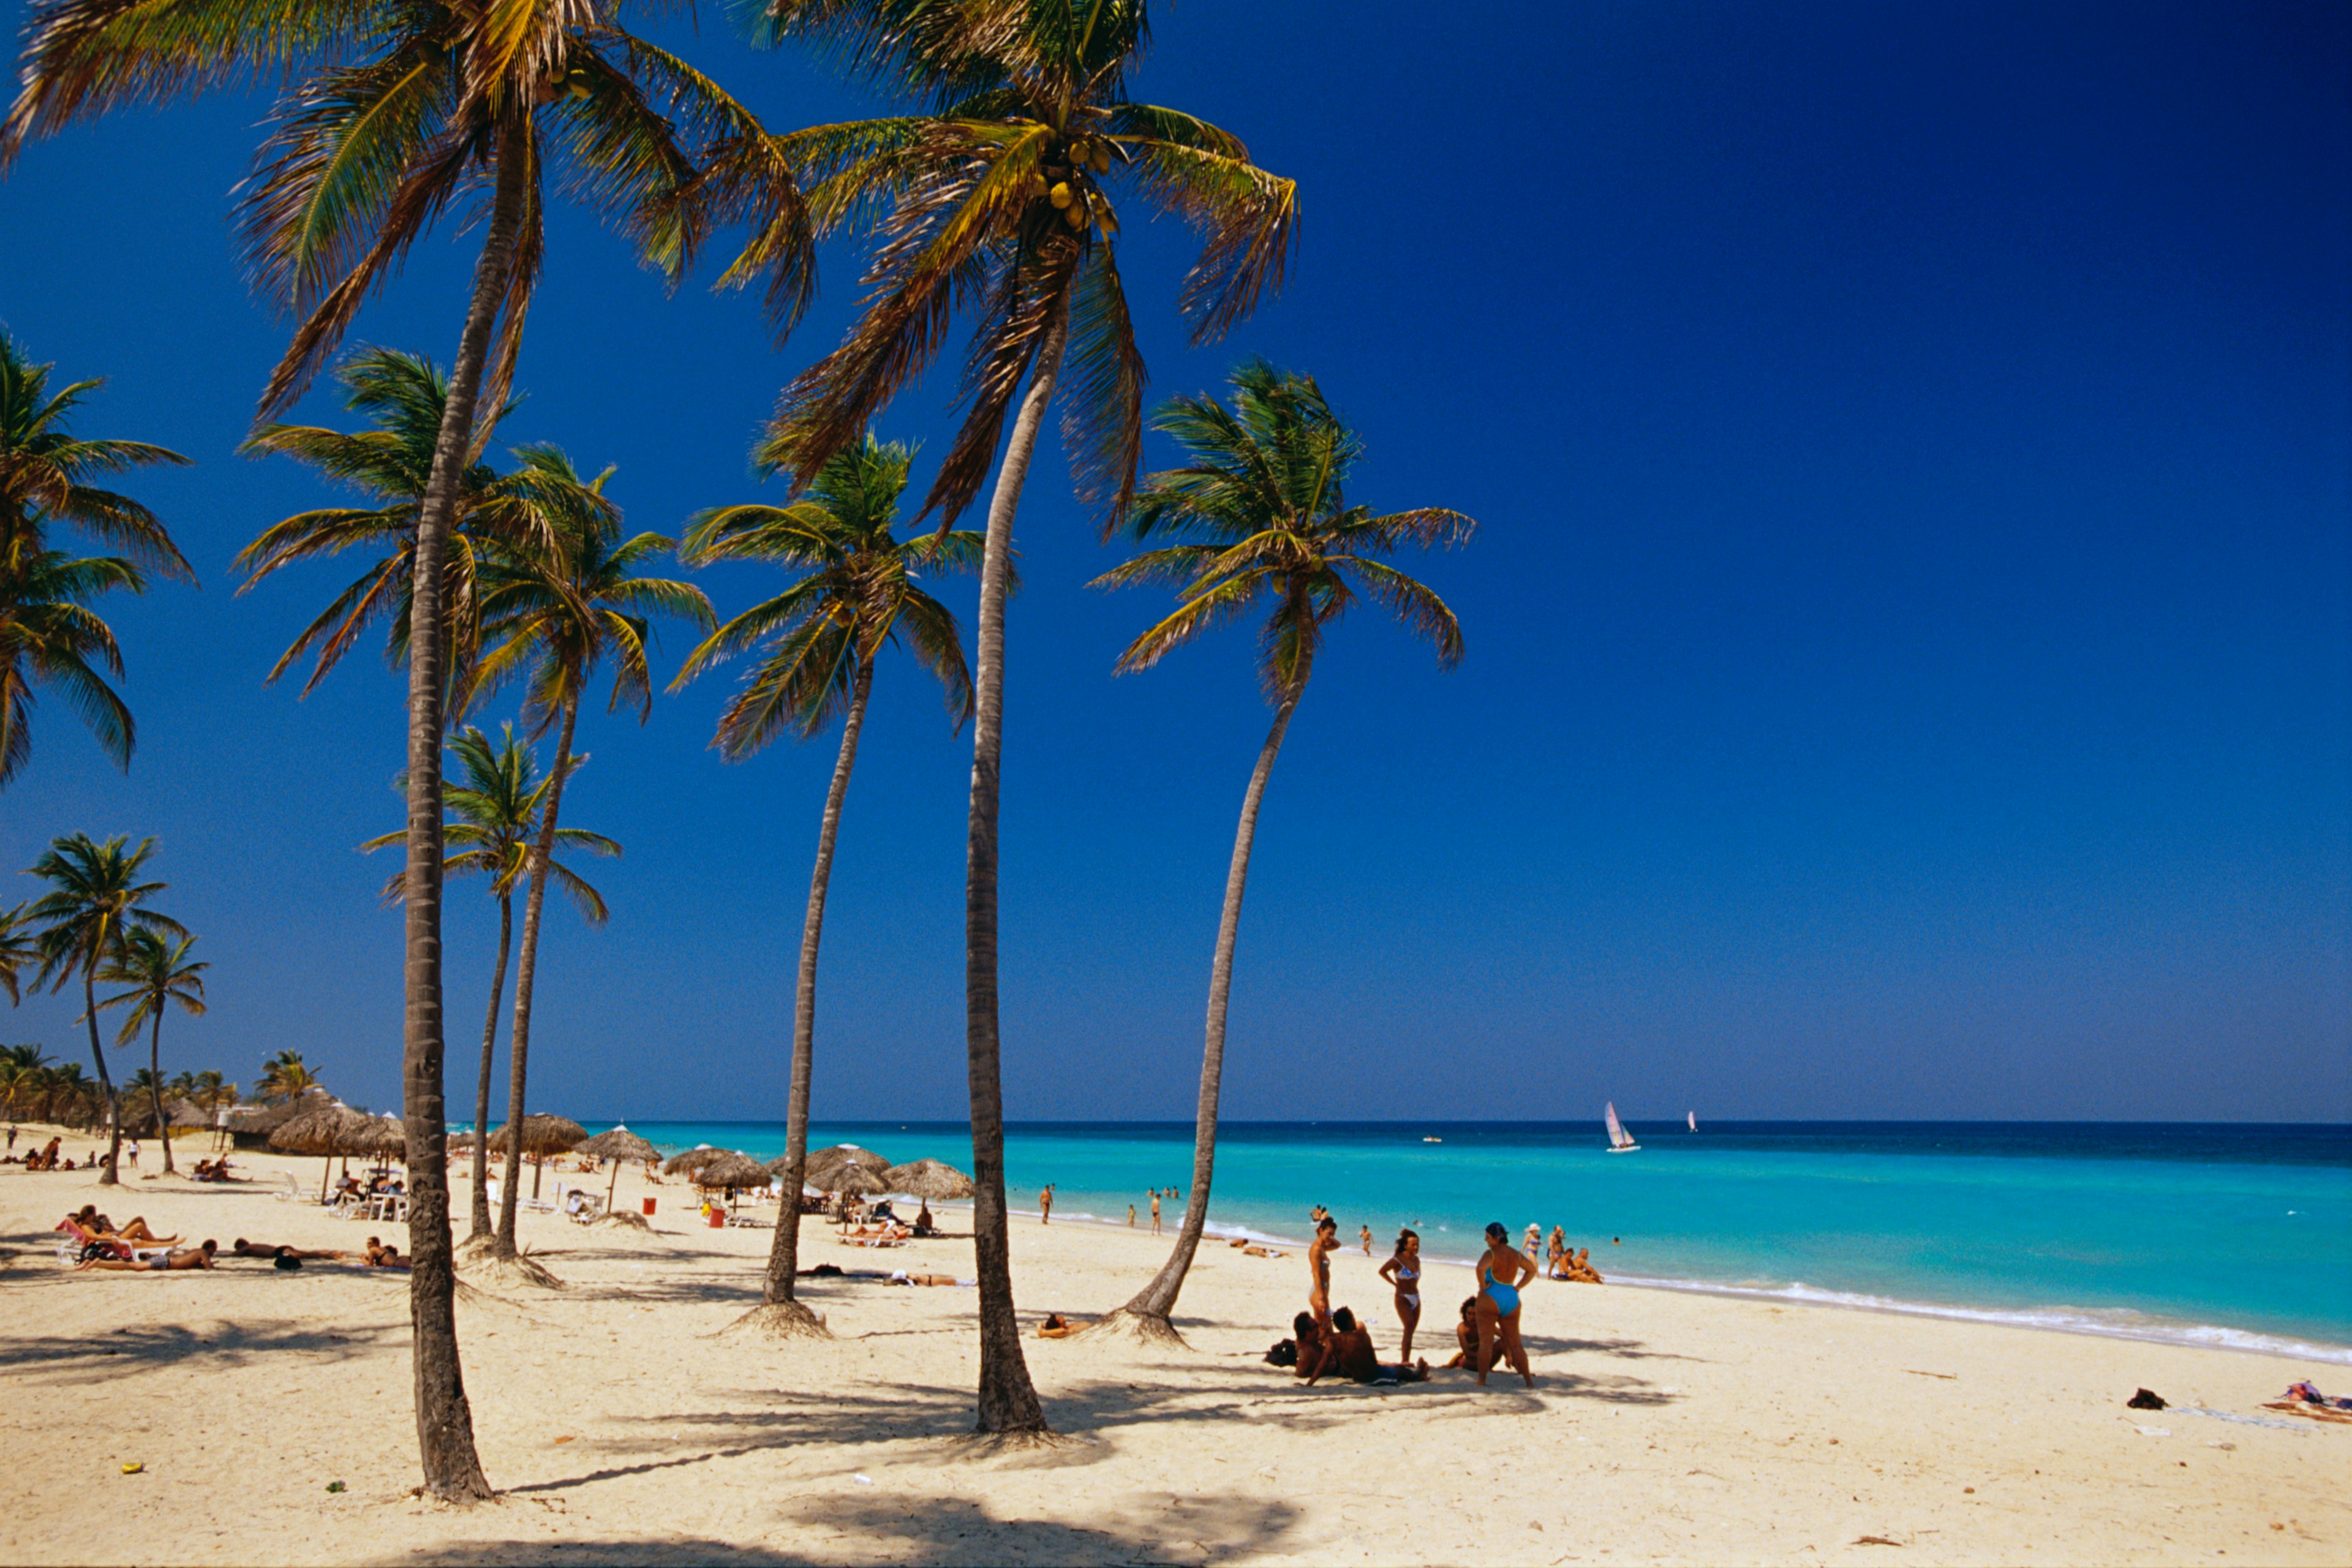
[(47, 1158)]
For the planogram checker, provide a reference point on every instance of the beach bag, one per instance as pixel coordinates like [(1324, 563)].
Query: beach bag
[(1283, 1353), (283, 1261)]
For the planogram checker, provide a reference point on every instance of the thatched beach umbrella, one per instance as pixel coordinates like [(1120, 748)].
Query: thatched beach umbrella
[(383, 1136), (617, 1145), (259, 1122), (730, 1171), (543, 1136), (187, 1113), (826, 1165), (326, 1130), (693, 1159), (933, 1180)]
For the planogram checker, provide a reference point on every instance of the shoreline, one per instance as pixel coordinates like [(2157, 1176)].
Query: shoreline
[(2056, 1318), (625, 1419)]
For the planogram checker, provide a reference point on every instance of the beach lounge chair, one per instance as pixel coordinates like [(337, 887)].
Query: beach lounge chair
[(285, 1188)]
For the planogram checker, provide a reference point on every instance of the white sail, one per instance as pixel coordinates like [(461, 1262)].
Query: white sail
[(1694, 1120), (1617, 1135)]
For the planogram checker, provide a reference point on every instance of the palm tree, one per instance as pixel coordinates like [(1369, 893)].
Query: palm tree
[(495, 815), (18, 951), (49, 635), (160, 975), (22, 1077), (404, 109), (405, 399), (1001, 191), (1267, 524), (285, 1076), (816, 643), (552, 618), (96, 901)]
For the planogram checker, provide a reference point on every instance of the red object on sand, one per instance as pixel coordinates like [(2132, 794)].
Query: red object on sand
[(649, 1206)]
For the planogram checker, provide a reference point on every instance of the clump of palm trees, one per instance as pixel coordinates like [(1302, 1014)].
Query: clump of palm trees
[(993, 192)]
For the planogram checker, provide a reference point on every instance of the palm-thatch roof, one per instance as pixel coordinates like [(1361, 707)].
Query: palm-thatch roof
[(847, 1179), (731, 1170), (544, 1134), (824, 1166), (386, 1136), (932, 1180), (187, 1113), (331, 1128), (260, 1120), (620, 1144), (693, 1159)]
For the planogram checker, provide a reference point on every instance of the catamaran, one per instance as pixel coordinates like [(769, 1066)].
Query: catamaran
[(1620, 1141)]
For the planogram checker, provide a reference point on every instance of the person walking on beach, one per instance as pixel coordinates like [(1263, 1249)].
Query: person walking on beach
[(1045, 1205), (1367, 1241), (1130, 1217), (1502, 1269), (1155, 1211), (1402, 1272)]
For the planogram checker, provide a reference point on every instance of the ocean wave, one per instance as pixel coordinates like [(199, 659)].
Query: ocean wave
[(2119, 1323)]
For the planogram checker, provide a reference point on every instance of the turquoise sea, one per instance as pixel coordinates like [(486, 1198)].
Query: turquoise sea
[(2228, 1235)]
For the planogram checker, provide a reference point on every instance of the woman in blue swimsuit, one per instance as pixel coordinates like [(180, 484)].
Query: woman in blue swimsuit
[(1502, 1269)]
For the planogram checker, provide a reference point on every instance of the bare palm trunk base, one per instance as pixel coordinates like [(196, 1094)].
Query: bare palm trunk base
[(109, 1175), (444, 1420), (1008, 1400), (778, 1313), (1147, 1316), (482, 1083), (526, 971), (155, 1081)]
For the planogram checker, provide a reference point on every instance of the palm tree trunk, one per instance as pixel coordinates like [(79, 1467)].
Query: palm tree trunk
[(1008, 1400), (526, 968), (155, 1081), (108, 1176), (784, 1256), (482, 1084), (1156, 1301), (444, 1420)]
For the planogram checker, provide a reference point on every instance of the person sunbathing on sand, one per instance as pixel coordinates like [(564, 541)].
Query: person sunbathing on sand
[(1314, 1347), (241, 1247), (379, 1255), (185, 1257), (1351, 1355)]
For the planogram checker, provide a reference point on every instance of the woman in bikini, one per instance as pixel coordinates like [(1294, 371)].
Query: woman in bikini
[(1318, 1268), (1502, 1270), (1403, 1272)]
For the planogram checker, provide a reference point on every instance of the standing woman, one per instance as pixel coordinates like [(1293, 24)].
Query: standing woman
[(1404, 1272), (1502, 1269), (1318, 1271)]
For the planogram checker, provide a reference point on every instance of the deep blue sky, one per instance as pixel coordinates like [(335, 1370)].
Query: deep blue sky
[(1910, 640)]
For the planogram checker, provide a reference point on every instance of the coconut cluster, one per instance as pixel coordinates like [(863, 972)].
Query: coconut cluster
[(1061, 180)]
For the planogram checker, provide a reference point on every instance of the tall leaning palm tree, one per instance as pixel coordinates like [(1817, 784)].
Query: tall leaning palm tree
[(553, 616), (49, 635), (816, 643), (494, 817), (1003, 189), (1266, 526), (95, 901), (396, 112), (160, 975)]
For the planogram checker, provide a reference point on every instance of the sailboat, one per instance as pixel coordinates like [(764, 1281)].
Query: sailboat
[(1693, 1115), (1620, 1141)]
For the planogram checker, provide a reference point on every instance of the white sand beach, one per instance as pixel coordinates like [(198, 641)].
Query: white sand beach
[(621, 1425)]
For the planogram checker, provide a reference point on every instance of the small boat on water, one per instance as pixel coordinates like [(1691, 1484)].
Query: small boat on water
[(1693, 1116), (1432, 1140), (1620, 1141)]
